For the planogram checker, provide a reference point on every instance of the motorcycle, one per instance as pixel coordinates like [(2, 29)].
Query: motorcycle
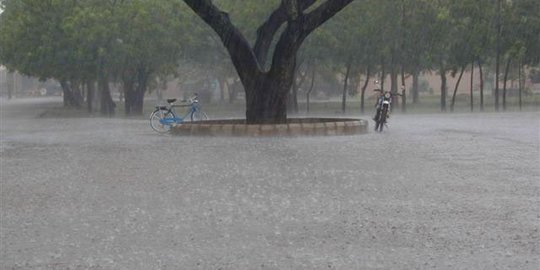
[(384, 107)]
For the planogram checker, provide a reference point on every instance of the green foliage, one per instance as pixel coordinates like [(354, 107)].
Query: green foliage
[(70, 39), (65, 39)]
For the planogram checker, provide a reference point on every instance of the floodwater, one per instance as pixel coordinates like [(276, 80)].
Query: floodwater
[(442, 191)]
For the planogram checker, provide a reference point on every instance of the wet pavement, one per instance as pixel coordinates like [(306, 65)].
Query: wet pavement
[(442, 191)]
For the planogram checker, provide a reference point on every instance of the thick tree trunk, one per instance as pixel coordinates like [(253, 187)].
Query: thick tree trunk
[(456, 88), (267, 90), (266, 99)]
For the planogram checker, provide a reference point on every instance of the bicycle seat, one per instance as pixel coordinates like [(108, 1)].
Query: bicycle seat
[(171, 100)]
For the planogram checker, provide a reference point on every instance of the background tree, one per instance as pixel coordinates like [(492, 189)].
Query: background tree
[(266, 48), (33, 42)]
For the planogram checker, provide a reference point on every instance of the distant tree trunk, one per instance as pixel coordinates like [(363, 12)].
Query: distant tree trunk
[(293, 95), (139, 99), (506, 70), (364, 87), (383, 74), (393, 77), (472, 81), (10, 82), (222, 85), (498, 55), (456, 88), (135, 86), (294, 98), (161, 87), (129, 90), (345, 86), (90, 94), (394, 87), (66, 93), (69, 97), (233, 90), (77, 92), (106, 102), (298, 81), (403, 96), (481, 85), (415, 89), (442, 71), (143, 75), (308, 93), (520, 67)]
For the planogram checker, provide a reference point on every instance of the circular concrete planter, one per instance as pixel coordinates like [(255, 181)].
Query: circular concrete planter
[(293, 127)]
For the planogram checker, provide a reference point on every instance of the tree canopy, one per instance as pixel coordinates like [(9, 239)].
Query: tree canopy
[(133, 42)]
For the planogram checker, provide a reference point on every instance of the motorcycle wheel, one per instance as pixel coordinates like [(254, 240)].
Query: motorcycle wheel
[(382, 119)]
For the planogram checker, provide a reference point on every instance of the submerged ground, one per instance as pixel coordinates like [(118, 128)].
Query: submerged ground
[(443, 191)]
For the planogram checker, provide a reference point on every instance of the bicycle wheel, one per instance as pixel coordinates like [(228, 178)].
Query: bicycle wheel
[(157, 124), (199, 116)]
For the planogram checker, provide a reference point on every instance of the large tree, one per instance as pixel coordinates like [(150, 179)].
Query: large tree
[(33, 42), (267, 87)]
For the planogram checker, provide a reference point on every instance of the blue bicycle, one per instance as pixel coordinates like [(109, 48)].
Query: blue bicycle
[(163, 118)]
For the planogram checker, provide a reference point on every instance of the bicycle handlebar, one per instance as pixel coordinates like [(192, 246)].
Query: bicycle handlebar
[(190, 101)]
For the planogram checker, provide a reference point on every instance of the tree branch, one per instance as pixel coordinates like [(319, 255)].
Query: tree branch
[(322, 13), (236, 44), (266, 32), (298, 29)]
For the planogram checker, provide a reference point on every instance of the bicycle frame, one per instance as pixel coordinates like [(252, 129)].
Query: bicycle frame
[(175, 119), (193, 107)]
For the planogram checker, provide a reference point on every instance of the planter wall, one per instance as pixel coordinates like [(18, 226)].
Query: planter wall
[(293, 127)]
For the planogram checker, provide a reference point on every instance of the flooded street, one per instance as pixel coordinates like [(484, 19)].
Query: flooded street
[(443, 191)]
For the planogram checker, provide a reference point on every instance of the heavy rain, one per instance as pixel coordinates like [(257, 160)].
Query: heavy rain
[(449, 180)]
